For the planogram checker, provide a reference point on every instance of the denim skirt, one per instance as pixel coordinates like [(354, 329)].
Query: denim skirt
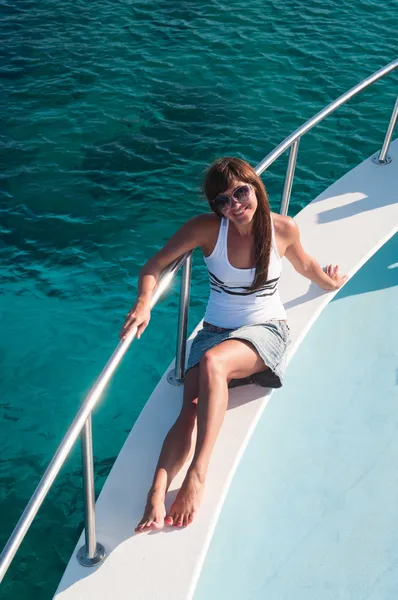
[(270, 339)]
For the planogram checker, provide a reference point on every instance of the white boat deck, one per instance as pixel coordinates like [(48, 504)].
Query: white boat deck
[(345, 225), (311, 512)]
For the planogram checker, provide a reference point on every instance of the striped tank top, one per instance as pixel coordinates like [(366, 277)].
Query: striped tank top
[(231, 304)]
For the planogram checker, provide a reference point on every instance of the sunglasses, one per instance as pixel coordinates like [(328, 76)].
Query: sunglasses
[(241, 194)]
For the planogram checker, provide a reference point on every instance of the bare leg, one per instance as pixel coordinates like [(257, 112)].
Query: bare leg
[(229, 360), (175, 451)]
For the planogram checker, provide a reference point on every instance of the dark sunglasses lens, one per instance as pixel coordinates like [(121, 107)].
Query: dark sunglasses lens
[(221, 202), (242, 193)]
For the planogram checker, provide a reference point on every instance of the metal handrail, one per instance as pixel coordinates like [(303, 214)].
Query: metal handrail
[(92, 553), (296, 135), (292, 141), (75, 428)]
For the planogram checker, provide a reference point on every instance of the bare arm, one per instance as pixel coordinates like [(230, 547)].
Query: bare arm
[(306, 265), (188, 237)]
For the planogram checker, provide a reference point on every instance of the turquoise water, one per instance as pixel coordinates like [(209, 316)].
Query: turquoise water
[(312, 509), (110, 111)]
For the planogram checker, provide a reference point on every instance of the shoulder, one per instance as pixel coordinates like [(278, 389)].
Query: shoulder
[(285, 227), (205, 220), (199, 231), (287, 234), (204, 225)]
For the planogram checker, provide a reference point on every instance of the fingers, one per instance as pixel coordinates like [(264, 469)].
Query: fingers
[(332, 271), (127, 324), (133, 321), (141, 328), (334, 274), (126, 330)]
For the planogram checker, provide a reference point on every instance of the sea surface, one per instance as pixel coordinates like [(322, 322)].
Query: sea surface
[(110, 111)]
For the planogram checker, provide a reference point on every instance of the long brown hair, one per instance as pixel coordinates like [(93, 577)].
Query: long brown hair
[(219, 178)]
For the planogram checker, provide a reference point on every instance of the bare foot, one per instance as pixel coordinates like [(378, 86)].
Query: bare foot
[(154, 514), (188, 499)]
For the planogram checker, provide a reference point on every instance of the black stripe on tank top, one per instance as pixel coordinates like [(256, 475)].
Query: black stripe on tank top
[(215, 282), (271, 283), (229, 291)]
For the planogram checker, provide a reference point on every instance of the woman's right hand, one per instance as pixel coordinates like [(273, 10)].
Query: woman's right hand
[(139, 316), (191, 234)]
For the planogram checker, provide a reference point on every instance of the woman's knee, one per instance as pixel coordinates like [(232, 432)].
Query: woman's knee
[(212, 364)]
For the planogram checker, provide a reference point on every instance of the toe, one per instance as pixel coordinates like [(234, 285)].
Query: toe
[(140, 527), (158, 522), (169, 520), (186, 520), (180, 521)]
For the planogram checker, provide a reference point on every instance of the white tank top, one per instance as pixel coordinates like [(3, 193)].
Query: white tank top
[(231, 304)]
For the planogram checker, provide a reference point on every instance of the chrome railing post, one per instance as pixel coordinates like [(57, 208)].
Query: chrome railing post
[(91, 553), (291, 165), (382, 158), (176, 377)]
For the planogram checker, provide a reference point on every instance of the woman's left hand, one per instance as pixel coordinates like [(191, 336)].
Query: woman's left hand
[(333, 272)]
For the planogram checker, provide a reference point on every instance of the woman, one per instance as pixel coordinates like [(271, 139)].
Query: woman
[(244, 335)]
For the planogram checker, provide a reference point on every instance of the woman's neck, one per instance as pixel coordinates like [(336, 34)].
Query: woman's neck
[(244, 229)]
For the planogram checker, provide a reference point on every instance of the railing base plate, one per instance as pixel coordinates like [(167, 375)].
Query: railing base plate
[(85, 561), (376, 161), (172, 379)]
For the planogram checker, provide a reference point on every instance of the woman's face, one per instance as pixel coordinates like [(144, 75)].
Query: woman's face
[(242, 202)]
